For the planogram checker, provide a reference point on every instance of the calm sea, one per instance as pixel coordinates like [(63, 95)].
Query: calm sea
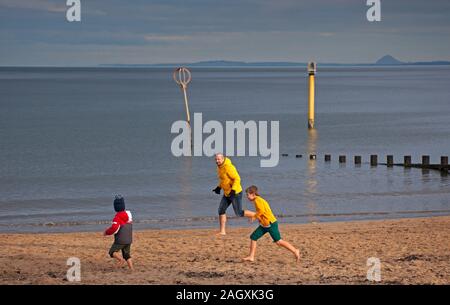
[(71, 138)]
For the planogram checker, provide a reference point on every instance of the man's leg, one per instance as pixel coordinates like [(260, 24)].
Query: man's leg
[(224, 204), (237, 205), (249, 214), (222, 223)]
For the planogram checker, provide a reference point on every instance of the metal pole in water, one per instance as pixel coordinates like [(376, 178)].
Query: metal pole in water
[(312, 67), (186, 103), (182, 76)]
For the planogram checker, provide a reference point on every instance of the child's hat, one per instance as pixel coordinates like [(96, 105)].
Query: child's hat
[(119, 203)]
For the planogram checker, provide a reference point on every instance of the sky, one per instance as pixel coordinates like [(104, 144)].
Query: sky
[(36, 32)]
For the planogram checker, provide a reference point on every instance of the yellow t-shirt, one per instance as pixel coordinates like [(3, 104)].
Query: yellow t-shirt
[(263, 212)]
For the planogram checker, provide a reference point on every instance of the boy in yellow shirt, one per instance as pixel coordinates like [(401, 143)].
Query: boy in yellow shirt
[(268, 224)]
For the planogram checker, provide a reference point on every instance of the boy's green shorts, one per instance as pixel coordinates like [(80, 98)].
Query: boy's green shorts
[(272, 230), (126, 250)]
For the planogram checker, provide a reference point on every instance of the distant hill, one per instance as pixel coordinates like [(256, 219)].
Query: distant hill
[(227, 63), (215, 63), (388, 60)]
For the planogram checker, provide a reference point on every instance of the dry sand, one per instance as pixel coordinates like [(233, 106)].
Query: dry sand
[(411, 251)]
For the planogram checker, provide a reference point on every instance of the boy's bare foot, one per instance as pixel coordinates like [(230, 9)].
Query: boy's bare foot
[(248, 259), (297, 255), (120, 263), (130, 264), (219, 234)]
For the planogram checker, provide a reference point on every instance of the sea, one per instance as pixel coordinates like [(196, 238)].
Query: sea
[(73, 138)]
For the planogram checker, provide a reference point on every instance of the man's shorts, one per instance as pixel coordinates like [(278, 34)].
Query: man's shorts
[(272, 230), (237, 205)]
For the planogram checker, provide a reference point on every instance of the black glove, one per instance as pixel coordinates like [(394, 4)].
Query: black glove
[(232, 195), (217, 190)]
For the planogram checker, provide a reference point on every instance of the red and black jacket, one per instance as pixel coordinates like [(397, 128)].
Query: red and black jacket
[(122, 228)]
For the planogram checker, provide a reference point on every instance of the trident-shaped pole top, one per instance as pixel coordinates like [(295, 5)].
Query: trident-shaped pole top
[(182, 76)]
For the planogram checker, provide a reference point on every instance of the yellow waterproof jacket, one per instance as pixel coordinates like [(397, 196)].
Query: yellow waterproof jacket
[(263, 212), (229, 178)]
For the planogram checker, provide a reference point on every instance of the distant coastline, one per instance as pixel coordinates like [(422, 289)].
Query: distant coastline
[(386, 60)]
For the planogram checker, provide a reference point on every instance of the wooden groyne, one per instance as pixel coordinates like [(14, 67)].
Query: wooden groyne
[(443, 166)]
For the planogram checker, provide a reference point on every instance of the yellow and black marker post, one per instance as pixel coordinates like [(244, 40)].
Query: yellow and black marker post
[(312, 67)]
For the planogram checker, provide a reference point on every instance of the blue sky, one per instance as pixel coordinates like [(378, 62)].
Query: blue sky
[(35, 32)]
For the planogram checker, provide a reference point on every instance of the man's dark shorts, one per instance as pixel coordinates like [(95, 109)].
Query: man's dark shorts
[(237, 205), (126, 250)]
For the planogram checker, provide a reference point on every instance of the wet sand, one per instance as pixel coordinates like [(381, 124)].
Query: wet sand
[(411, 251)]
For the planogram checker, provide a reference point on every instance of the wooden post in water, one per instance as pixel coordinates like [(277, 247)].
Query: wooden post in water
[(444, 164), (327, 158), (342, 159), (373, 160), (425, 160), (312, 67), (425, 164), (357, 159), (390, 160), (407, 161)]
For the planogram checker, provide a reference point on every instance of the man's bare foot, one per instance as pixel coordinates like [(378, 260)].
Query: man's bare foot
[(297, 255), (221, 234), (248, 259)]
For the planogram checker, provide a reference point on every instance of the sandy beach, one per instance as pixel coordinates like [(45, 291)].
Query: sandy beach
[(411, 251)]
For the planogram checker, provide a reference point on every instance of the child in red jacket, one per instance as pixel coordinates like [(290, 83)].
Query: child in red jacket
[(122, 228)]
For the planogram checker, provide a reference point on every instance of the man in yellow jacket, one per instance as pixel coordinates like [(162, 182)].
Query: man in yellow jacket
[(230, 183)]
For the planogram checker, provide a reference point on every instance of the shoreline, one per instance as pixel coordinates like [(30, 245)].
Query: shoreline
[(210, 222), (411, 251)]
